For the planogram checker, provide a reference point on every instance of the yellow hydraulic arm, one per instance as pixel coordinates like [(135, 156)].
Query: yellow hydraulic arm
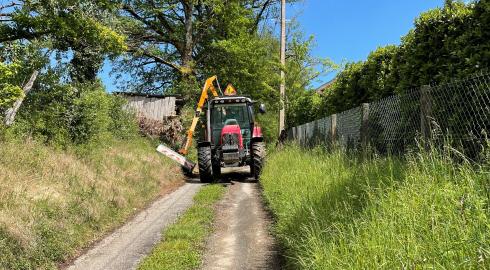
[(209, 85)]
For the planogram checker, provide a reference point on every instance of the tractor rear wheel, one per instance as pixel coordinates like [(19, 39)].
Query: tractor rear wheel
[(205, 164), (258, 154)]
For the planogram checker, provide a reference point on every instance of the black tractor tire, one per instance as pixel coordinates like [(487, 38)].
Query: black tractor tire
[(258, 155), (205, 164)]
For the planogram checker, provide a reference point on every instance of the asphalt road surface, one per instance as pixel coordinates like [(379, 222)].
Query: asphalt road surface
[(242, 239), (124, 248)]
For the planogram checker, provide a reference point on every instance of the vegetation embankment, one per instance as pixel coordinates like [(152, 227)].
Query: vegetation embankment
[(338, 212), (73, 166), (53, 202), (183, 241)]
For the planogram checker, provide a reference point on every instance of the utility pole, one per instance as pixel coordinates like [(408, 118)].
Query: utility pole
[(283, 64)]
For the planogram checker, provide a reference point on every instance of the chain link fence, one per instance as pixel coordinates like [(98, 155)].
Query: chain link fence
[(457, 113)]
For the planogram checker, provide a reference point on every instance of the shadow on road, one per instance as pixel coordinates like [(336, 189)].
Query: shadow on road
[(228, 176), (193, 180)]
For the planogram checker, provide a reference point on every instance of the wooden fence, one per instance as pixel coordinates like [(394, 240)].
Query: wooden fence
[(155, 107)]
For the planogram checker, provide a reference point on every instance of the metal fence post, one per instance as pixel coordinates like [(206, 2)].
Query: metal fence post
[(364, 126), (333, 128), (425, 113)]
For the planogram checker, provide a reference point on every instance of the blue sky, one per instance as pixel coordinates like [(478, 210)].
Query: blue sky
[(349, 29)]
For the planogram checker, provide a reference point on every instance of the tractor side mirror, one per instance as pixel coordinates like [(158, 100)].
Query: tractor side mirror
[(262, 109)]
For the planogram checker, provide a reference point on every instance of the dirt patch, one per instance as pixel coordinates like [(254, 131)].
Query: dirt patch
[(168, 187), (242, 239)]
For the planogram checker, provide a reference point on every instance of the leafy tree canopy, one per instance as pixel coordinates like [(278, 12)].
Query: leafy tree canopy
[(80, 27), (173, 43)]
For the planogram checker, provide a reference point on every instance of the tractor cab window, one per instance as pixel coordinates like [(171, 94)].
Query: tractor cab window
[(229, 114)]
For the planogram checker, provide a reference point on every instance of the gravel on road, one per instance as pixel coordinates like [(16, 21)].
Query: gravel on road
[(242, 239)]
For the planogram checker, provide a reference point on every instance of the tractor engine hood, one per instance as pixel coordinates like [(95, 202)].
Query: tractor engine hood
[(231, 134)]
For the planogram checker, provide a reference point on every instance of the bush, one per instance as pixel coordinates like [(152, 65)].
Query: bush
[(303, 109), (8, 93), (90, 118), (123, 123), (74, 113)]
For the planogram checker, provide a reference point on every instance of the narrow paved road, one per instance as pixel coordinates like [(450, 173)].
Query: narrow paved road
[(124, 248), (241, 239)]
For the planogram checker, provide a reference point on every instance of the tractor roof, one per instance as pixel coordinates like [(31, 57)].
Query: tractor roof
[(230, 99)]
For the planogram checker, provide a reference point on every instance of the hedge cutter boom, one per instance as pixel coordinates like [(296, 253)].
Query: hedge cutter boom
[(179, 157), (185, 163)]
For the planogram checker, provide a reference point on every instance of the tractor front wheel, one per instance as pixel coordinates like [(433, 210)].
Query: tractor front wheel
[(258, 154), (205, 164)]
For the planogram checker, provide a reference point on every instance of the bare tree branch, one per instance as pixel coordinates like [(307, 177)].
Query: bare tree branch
[(158, 59), (162, 19), (12, 4), (164, 36), (264, 7)]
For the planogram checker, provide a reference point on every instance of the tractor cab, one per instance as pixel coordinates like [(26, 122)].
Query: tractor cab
[(231, 113), (231, 128)]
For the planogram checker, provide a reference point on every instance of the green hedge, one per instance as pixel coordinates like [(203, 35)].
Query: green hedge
[(446, 43)]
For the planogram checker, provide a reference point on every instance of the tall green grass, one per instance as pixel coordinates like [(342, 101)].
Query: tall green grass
[(338, 212)]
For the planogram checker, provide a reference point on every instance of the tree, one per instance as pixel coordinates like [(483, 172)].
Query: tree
[(172, 41), (18, 72), (80, 27), (30, 31), (446, 43), (303, 104)]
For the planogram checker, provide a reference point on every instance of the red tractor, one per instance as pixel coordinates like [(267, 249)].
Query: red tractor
[(232, 138)]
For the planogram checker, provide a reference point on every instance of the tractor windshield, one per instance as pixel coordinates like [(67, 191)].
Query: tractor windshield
[(230, 114)]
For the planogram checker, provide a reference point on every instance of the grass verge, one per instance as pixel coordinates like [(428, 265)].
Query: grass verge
[(55, 202), (183, 241), (336, 212)]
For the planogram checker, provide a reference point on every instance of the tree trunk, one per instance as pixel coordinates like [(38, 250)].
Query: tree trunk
[(12, 112), (189, 42)]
